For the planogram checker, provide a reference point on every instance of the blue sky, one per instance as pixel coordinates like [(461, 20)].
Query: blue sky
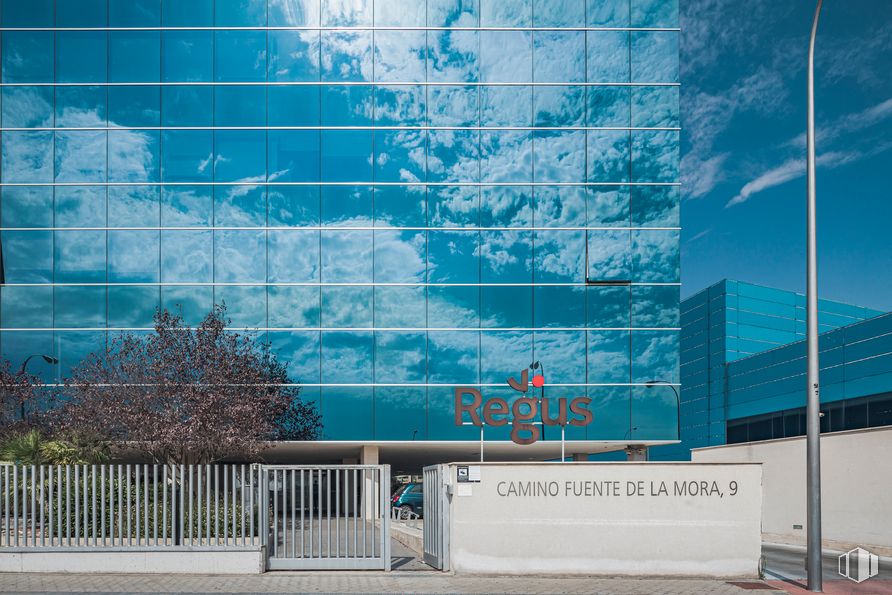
[(743, 145)]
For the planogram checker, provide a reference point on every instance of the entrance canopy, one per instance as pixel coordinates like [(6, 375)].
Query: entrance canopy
[(413, 455)]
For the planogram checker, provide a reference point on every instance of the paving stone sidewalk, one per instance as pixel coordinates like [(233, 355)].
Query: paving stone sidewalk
[(360, 582)]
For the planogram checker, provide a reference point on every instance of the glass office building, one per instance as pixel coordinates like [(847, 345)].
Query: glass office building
[(401, 196), (743, 367)]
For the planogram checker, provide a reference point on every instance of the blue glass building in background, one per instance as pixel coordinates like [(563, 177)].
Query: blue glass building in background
[(743, 367), (401, 196)]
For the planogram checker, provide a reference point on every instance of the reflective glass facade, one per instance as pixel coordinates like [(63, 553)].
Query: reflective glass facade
[(743, 354), (400, 196)]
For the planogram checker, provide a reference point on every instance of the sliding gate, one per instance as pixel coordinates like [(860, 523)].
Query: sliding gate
[(327, 517)]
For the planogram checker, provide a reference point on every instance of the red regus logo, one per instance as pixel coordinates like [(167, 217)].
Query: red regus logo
[(523, 411)]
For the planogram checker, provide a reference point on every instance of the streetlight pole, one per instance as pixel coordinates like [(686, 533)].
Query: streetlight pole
[(813, 408), (48, 359)]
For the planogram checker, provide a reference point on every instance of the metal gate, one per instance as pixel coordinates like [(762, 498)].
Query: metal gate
[(330, 517), (436, 517)]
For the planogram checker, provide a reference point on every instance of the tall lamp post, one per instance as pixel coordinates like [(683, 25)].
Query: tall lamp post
[(48, 359), (813, 408)]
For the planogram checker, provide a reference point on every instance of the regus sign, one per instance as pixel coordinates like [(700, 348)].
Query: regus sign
[(522, 412)]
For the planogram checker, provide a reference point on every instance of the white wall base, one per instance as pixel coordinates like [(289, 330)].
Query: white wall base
[(248, 561)]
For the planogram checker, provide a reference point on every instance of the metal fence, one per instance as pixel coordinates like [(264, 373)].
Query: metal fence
[(130, 506), (328, 517)]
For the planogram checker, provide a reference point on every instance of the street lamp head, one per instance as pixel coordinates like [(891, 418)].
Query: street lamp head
[(50, 359)]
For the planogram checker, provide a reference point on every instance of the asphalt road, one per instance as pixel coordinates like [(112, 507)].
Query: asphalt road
[(788, 563)]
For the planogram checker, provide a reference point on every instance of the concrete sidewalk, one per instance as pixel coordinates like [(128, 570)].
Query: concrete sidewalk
[(360, 582)]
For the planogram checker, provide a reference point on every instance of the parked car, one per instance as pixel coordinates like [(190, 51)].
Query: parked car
[(409, 498)]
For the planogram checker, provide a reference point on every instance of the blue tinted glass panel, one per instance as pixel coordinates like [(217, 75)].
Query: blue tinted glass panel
[(27, 156), (400, 413), (294, 55), (505, 206), (187, 13), (453, 307), (504, 354), (655, 56), (655, 306), (559, 156), (293, 155), (655, 156), (453, 56), (293, 13), (134, 106), (187, 106), (134, 156), (240, 106), (188, 56), (134, 56), (400, 307), (236, 254), (346, 55), (559, 256), (80, 107), (245, 305), (559, 306), (293, 306), (399, 357), (134, 13), (399, 256), (346, 156), (655, 107), (80, 206), (655, 206), (559, 56), (240, 56), (239, 206), (609, 257), (562, 355), (282, 101), (186, 256), (608, 307), (187, 155), (401, 206), (186, 206), (132, 307), (80, 257), (28, 14), (134, 206), (506, 156), (452, 106), (348, 413), (134, 256), (608, 107), (300, 350), (400, 156), (81, 56), (240, 13), (347, 256), (506, 256), (654, 356), (28, 256), (506, 56), (608, 56), (27, 107), (347, 357), (79, 307), (400, 106), (27, 307), (191, 302), (27, 206), (76, 156), (607, 13), (347, 106), (293, 206), (608, 357), (347, 206), (293, 256), (506, 307), (347, 307), (608, 155), (655, 257), (559, 106), (347, 13), (453, 257), (655, 13), (453, 357), (28, 56), (400, 56), (506, 106), (608, 206), (506, 13), (81, 13)]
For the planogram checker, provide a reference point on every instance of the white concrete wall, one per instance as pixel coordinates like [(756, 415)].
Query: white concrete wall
[(635, 530), (136, 562), (856, 472)]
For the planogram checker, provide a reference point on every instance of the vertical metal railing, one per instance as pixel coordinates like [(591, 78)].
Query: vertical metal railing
[(134, 505), (327, 517)]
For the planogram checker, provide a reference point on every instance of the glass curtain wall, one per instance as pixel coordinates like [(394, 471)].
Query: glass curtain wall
[(400, 196)]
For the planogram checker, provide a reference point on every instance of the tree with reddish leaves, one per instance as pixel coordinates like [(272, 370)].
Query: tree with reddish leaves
[(20, 395), (186, 395)]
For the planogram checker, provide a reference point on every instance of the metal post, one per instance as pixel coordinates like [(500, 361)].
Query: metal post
[(813, 421)]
